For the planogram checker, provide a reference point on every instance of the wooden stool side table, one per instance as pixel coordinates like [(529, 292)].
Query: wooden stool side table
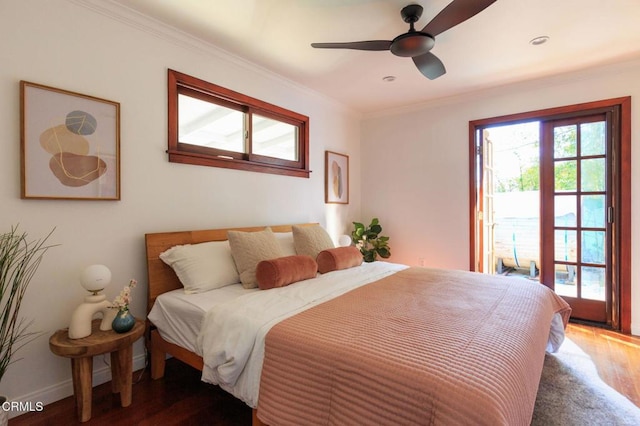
[(82, 351)]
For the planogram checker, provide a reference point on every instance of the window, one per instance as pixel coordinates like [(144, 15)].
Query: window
[(213, 126)]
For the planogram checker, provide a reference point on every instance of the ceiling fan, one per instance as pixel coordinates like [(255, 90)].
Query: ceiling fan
[(417, 44)]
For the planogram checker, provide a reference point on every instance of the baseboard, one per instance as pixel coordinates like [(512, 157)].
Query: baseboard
[(64, 389), (590, 323)]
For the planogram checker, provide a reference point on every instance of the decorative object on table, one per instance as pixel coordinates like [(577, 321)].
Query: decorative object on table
[(369, 240), (94, 279), (344, 241), (70, 145), (336, 178), (124, 320), (19, 260)]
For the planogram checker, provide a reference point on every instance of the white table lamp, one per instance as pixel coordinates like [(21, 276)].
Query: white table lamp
[(94, 279), (344, 240)]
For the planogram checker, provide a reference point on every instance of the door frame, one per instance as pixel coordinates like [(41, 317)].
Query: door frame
[(621, 313)]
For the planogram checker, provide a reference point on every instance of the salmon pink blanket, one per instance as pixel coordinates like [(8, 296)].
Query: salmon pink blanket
[(419, 347)]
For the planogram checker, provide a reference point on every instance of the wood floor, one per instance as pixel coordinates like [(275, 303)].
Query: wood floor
[(182, 399), (616, 356)]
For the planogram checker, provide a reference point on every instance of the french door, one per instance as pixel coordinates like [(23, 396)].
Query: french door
[(575, 236), (577, 213)]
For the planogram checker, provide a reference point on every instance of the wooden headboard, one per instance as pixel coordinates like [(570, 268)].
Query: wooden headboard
[(161, 276)]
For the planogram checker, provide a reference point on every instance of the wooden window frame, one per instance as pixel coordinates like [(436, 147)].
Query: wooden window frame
[(179, 152)]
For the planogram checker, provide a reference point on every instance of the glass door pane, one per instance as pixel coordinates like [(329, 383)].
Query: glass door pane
[(593, 283), (593, 211)]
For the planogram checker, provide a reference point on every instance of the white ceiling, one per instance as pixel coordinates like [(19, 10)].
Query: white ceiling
[(490, 49)]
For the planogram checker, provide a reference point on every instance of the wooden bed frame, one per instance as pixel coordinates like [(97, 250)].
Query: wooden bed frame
[(161, 279)]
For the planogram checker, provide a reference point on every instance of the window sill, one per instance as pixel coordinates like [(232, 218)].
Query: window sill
[(231, 163)]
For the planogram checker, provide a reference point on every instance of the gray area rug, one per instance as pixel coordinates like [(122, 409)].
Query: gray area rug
[(572, 393)]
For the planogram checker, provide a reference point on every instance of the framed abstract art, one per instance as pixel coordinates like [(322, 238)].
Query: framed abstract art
[(70, 145), (336, 178)]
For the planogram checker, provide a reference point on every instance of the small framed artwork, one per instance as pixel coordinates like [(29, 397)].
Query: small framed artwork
[(70, 145), (336, 178)]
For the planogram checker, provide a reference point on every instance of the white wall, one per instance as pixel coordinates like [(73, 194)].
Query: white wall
[(426, 184), (59, 43)]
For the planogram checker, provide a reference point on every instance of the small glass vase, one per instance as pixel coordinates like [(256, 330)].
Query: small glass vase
[(123, 321)]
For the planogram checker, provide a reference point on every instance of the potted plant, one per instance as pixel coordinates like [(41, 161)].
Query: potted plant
[(19, 260), (369, 240)]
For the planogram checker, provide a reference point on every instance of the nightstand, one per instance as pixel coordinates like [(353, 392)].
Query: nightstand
[(82, 351)]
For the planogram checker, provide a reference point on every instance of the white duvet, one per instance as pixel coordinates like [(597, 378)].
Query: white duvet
[(231, 338)]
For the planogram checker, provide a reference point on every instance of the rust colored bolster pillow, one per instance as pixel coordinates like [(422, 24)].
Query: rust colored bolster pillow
[(338, 258), (285, 270)]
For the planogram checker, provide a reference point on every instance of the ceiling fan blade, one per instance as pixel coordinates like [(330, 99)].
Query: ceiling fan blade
[(456, 12), (429, 65), (357, 45)]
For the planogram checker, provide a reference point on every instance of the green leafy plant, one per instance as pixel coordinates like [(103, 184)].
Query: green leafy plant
[(19, 260), (369, 240)]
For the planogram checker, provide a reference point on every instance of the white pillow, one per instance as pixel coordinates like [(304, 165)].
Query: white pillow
[(202, 267), (285, 239)]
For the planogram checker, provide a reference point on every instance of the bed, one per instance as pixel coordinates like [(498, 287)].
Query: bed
[(377, 343)]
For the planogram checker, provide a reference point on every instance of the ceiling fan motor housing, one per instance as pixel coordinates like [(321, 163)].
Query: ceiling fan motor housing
[(412, 44)]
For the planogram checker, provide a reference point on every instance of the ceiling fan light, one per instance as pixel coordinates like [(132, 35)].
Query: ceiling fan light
[(412, 44)]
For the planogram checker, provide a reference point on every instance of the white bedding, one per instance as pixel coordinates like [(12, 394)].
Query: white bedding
[(178, 316)]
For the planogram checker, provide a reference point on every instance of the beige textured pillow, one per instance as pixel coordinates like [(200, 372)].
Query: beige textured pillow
[(311, 240), (250, 248)]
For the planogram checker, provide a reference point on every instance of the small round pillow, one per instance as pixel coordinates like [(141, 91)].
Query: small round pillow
[(338, 258), (286, 270)]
